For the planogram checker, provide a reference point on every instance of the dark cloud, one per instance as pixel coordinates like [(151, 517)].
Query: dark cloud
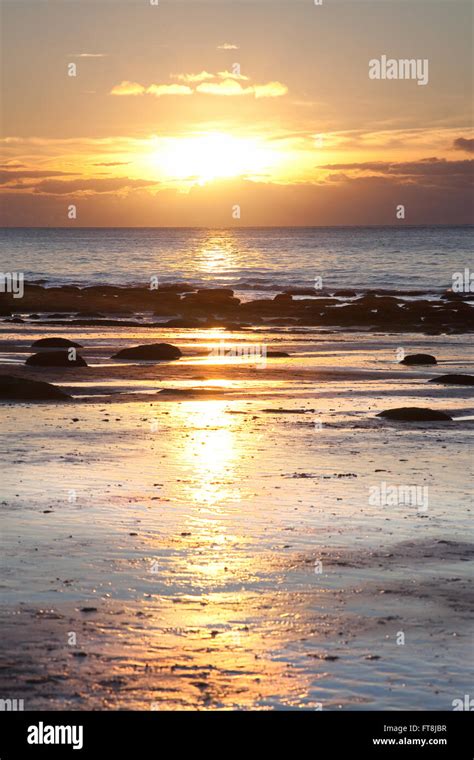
[(464, 143), (422, 168), (361, 200), (94, 185), (13, 165), (112, 163), (16, 174)]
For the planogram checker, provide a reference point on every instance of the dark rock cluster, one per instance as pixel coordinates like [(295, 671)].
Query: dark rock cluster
[(188, 307)]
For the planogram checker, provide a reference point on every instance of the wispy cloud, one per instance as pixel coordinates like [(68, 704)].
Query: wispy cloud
[(424, 166), (134, 88), (112, 163), (92, 185), (13, 175), (232, 75), (201, 77), (426, 172), (88, 55), (228, 46), (206, 76)]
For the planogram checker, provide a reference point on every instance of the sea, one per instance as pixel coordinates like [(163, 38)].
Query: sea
[(246, 259)]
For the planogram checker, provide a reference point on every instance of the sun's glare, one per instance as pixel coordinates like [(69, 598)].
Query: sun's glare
[(203, 158)]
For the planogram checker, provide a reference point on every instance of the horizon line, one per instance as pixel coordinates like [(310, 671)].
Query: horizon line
[(242, 227)]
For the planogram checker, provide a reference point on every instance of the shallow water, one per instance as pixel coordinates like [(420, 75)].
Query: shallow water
[(196, 526)]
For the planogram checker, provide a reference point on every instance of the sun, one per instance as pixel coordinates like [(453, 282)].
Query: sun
[(203, 158)]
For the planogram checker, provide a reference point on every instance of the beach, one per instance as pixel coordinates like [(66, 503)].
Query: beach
[(236, 375), (200, 533)]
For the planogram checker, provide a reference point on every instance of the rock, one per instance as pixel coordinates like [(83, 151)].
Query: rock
[(419, 359), (177, 287), (54, 342), (454, 379), (159, 351), (20, 389), (304, 291), (450, 296), (276, 354), (283, 298), (215, 293), (345, 294), (55, 359), (415, 414), (214, 298)]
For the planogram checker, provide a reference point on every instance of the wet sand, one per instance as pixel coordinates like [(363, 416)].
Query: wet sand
[(216, 548)]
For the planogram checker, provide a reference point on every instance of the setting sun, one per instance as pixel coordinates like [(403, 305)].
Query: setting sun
[(211, 156)]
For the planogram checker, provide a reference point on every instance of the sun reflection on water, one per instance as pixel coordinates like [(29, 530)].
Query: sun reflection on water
[(209, 453), (217, 254)]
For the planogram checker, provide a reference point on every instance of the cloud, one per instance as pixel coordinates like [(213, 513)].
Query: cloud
[(205, 76), (465, 144), (112, 163), (134, 88), (227, 46), (128, 88), (19, 174), (229, 87), (232, 75), (168, 89), (93, 185), (436, 173), (88, 55), (354, 202), (13, 165), (270, 90), (201, 77), (425, 167)]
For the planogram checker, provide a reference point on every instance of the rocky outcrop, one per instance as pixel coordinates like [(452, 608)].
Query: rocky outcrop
[(150, 352), (55, 343), (20, 389), (415, 414), (55, 359), (419, 359), (453, 379)]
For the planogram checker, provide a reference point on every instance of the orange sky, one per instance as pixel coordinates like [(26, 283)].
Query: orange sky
[(179, 113)]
